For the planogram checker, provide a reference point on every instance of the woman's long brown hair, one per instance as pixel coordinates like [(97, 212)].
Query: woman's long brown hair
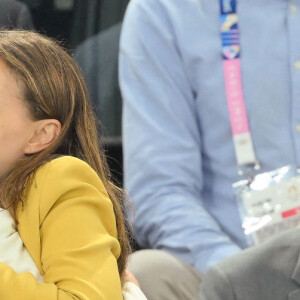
[(53, 88)]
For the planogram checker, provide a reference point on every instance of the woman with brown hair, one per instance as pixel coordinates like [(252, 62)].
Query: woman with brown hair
[(54, 180)]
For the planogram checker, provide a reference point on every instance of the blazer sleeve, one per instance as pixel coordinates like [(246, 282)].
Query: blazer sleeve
[(78, 238), (216, 286)]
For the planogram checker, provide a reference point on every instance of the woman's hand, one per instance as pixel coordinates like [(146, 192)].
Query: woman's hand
[(130, 277)]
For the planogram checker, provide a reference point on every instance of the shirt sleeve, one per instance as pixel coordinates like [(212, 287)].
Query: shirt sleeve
[(162, 141), (79, 248)]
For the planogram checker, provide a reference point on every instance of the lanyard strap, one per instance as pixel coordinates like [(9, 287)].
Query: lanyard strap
[(242, 139)]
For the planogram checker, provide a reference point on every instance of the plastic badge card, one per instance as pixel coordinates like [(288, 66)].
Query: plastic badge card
[(269, 203)]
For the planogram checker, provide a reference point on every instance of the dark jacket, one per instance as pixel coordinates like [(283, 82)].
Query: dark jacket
[(98, 59)]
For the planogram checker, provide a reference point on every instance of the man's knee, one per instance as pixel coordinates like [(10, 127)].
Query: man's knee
[(163, 276)]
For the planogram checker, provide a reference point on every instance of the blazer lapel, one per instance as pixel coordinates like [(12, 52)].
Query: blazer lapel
[(295, 295)]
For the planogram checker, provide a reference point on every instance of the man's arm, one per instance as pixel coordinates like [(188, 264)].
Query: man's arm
[(162, 142)]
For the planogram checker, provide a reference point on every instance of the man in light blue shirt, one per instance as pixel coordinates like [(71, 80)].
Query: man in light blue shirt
[(179, 156)]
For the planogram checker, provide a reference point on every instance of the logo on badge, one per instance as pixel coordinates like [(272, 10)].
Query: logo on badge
[(229, 22), (231, 52)]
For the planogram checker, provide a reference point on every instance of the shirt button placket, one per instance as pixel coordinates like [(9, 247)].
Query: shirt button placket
[(294, 52)]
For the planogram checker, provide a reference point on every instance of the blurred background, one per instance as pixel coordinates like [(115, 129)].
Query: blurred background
[(90, 29)]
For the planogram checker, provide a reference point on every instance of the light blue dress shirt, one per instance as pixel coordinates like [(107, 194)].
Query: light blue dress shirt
[(179, 156)]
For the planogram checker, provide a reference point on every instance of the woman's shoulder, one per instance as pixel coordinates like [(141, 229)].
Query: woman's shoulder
[(66, 169), (65, 181), (62, 177), (64, 163)]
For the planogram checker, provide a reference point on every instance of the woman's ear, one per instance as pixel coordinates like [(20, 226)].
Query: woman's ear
[(45, 132)]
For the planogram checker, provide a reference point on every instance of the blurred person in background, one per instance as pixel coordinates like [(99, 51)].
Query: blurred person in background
[(15, 14), (182, 148), (98, 58)]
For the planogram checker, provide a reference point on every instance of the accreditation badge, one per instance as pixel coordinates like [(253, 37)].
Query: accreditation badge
[(269, 203)]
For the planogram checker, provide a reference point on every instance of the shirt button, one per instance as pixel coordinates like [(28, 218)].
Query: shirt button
[(298, 128), (293, 8), (297, 64)]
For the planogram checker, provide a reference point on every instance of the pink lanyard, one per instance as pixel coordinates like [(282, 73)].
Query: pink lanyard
[(242, 139)]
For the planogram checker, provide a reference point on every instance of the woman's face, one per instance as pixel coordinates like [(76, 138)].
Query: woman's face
[(16, 124)]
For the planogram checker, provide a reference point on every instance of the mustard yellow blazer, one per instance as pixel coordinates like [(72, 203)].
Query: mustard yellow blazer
[(69, 228)]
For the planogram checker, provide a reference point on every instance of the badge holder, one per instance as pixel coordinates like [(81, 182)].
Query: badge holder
[(269, 203)]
